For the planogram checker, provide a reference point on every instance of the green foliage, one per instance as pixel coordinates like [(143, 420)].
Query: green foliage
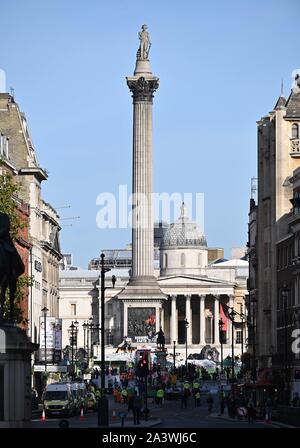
[(23, 283), (9, 189)]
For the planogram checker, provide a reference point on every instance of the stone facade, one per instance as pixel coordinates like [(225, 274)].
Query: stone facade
[(22, 243), (43, 229), (278, 133)]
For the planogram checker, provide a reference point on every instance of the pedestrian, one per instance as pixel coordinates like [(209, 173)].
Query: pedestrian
[(210, 401), (269, 408), (197, 399), (222, 402), (295, 401), (250, 411), (137, 406), (185, 393), (124, 395), (159, 396), (130, 402)]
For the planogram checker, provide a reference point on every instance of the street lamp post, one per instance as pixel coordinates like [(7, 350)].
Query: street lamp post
[(76, 323), (98, 329), (90, 338), (84, 325), (221, 341), (232, 314), (72, 327), (103, 402), (45, 310), (242, 338), (285, 295), (186, 323), (174, 355), (253, 327)]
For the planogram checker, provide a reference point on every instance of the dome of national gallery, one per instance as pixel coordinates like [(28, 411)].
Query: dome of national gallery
[(183, 232)]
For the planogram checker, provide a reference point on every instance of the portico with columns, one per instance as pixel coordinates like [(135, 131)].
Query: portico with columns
[(196, 299)]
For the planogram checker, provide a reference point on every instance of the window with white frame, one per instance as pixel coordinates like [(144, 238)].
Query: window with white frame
[(73, 309), (295, 131)]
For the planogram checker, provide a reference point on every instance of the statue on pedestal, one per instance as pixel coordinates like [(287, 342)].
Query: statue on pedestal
[(11, 266), (160, 340), (145, 44)]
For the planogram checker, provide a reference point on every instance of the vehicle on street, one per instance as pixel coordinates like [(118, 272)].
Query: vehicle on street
[(58, 400)]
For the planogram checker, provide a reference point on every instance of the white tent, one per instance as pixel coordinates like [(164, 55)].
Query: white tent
[(206, 363)]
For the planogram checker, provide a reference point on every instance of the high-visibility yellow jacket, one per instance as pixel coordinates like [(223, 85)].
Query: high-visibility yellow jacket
[(160, 393)]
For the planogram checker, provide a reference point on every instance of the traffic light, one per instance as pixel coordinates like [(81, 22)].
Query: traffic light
[(142, 366)]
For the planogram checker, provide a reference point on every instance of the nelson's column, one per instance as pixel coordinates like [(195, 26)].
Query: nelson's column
[(142, 297)]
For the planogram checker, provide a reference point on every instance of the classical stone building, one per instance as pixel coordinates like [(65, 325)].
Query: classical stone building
[(196, 296), (273, 276), (278, 156)]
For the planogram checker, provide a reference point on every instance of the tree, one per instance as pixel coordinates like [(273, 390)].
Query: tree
[(9, 191)]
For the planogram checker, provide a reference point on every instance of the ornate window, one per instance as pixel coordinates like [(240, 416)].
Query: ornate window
[(4, 146), (295, 131), (239, 337)]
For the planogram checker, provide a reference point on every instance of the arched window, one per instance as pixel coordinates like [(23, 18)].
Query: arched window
[(182, 260), (295, 131), (166, 261)]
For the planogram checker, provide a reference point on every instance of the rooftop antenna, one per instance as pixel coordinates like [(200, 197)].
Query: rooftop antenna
[(253, 187), (281, 94), (12, 92), (56, 208), (71, 217)]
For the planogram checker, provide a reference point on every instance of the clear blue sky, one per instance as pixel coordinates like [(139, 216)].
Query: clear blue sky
[(220, 66)]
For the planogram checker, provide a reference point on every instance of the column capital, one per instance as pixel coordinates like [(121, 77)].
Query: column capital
[(142, 89), (173, 296)]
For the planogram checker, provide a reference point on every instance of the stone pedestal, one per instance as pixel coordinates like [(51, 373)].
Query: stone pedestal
[(15, 376)]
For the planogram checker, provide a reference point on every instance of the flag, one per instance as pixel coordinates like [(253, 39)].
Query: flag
[(224, 317)]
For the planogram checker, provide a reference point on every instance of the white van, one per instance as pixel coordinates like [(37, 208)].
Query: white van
[(58, 399)]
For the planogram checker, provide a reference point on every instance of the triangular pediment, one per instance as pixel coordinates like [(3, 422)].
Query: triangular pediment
[(192, 280)]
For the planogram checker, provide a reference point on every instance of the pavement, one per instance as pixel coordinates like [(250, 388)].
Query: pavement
[(272, 423)]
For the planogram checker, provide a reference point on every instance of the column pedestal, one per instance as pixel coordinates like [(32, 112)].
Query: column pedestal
[(15, 377)]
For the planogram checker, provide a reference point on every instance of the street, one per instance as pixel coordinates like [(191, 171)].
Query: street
[(170, 415)]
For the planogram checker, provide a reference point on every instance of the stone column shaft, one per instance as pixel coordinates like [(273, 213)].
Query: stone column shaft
[(202, 320), (174, 323), (188, 315), (125, 323), (231, 305), (162, 318), (216, 320), (142, 208)]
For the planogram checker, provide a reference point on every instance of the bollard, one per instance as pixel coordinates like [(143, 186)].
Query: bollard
[(103, 412)]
